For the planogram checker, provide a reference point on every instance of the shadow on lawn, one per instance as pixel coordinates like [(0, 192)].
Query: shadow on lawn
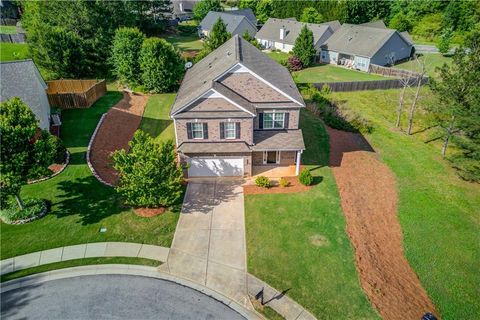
[(155, 127)]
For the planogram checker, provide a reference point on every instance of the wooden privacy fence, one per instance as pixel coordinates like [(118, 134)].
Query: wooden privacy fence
[(392, 72), (69, 94), (369, 85)]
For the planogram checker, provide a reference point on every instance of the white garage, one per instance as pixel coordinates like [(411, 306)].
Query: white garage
[(215, 167)]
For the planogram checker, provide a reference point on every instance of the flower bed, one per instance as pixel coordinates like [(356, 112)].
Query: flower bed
[(149, 212), (294, 186), (56, 169), (33, 209)]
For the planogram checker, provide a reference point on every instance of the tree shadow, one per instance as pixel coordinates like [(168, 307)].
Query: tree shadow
[(13, 301), (155, 127)]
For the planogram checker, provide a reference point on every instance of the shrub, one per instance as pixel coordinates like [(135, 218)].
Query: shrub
[(304, 47), (60, 151), (339, 117), (294, 63), (125, 54), (305, 177), (262, 182), (283, 183), (10, 211)]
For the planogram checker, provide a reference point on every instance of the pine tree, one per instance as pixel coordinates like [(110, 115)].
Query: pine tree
[(217, 36), (304, 47)]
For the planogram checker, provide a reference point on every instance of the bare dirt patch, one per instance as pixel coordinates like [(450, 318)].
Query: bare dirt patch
[(115, 132), (318, 240), (148, 212), (293, 187), (369, 201)]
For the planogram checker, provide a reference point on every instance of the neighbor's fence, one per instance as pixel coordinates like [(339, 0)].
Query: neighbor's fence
[(14, 38), (392, 72), (8, 22), (69, 94), (369, 85)]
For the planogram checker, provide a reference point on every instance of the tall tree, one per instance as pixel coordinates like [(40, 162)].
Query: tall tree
[(161, 65), (361, 11), (252, 4), (304, 47), (204, 6), (264, 10), (311, 15), (126, 53), (217, 36)]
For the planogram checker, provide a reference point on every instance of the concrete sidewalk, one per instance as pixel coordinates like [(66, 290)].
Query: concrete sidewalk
[(88, 250)]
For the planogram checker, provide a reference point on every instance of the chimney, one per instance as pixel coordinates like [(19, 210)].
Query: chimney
[(180, 6), (282, 32)]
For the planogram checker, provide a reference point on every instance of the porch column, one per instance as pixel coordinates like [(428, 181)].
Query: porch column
[(297, 166)]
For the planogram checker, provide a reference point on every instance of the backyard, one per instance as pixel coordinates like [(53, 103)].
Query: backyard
[(8, 29), (431, 60), (298, 243), (438, 212), (156, 119), (80, 205), (13, 51)]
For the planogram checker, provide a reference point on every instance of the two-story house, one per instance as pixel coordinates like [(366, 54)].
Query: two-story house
[(237, 109)]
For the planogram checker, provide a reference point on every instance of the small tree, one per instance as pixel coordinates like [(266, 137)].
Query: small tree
[(217, 36), (20, 147), (294, 63), (149, 173), (161, 65), (311, 15), (202, 8), (304, 47), (125, 54), (251, 39), (444, 41)]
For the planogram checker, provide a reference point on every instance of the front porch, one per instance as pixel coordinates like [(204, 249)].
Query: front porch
[(273, 171)]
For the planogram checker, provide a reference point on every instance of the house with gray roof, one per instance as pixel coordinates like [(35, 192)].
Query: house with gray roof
[(183, 9), (23, 80), (237, 113), (237, 22), (358, 46), (281, 34)]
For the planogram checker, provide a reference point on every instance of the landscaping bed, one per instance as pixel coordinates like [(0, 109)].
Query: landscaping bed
[(55, 169), (293, 186), (33, 209)]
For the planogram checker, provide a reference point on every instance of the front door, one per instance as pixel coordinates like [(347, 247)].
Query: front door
[(270, 157)]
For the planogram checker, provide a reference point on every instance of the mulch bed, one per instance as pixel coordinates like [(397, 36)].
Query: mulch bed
[(369, 201), (148, 212), (293, 187), (116, 131)]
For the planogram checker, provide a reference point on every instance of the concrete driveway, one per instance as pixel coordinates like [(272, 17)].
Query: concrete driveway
[(209, 244)]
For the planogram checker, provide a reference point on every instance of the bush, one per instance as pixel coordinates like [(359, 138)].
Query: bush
[(339, 117), (283, 183), (263, 182), (125, 54), (10, 211), (305, 177), (294, 64), (60, 151)]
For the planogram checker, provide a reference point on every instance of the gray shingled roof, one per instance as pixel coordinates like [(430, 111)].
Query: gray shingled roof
[(278, 140), (232, 20), (248, 13), (22, 79), (186, 4), (358, 40), (200, 78), (375, 24), (271, 30), (213, 147)]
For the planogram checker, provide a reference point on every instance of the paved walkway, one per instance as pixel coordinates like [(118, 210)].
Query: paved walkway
[(89, 250), (209, 243)]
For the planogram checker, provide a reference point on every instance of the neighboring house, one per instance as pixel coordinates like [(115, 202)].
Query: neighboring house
[(183, 9), (281, 33), (235, 110), (22, 79), (237, 22), (358, 46)]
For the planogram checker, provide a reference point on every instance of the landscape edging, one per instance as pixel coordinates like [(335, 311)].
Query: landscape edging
[(67, 161), (90, 143)]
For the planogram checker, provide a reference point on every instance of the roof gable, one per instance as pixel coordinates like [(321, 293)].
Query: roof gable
[(232, 20)]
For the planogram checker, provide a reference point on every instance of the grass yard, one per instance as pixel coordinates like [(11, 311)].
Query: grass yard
[(439, 213), (8, 29), (330, 73), (13, 51), (298, 242), (432, 61), (156, 120), (278, 56), (185, 42), (80, 205)]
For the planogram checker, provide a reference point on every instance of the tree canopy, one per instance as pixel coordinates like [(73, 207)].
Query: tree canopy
[(204, 6), (264, 10), (217, 36), (304, 47), (126, 53), (311, 15)]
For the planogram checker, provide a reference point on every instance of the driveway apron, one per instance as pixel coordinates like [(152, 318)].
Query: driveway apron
[(209, 244)]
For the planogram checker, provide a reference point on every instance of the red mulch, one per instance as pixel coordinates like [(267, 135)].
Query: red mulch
[(369, 201), (293, 187), (56, 167), (148, 212), (115, 132)]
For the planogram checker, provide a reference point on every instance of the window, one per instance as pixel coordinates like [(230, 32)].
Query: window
[(230, 130), (197, 130), (273, 120)]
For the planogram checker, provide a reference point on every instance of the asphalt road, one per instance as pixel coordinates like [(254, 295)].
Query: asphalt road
[(111, 297)]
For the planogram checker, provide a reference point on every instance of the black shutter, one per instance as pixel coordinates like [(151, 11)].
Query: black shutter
[(286, 121), (205, 131), (189, 130), (237, 130), (222, 130), (260, 120)]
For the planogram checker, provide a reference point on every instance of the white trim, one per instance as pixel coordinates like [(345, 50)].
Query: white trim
[(297, 163), (176, 135)]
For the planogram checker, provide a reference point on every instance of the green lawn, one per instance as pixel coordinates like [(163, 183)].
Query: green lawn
[(439, 213), (281, 234), (331, 73), (156, 120), (13, 51), (432, 61), (278, 56), (8, 29), (185, 42), (80, 205)]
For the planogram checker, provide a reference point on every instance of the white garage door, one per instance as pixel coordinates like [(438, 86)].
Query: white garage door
[(215, 167)]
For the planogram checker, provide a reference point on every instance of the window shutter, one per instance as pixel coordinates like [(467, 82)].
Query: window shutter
[(189, 130), (260, 120), (205, 131), (237, 130), (222, 130), (286, 120)]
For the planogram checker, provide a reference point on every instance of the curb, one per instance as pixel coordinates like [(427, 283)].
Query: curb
[(67, 161), (123, 269), (89, 148)]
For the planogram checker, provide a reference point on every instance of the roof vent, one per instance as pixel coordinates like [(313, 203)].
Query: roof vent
[(229, 53)]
